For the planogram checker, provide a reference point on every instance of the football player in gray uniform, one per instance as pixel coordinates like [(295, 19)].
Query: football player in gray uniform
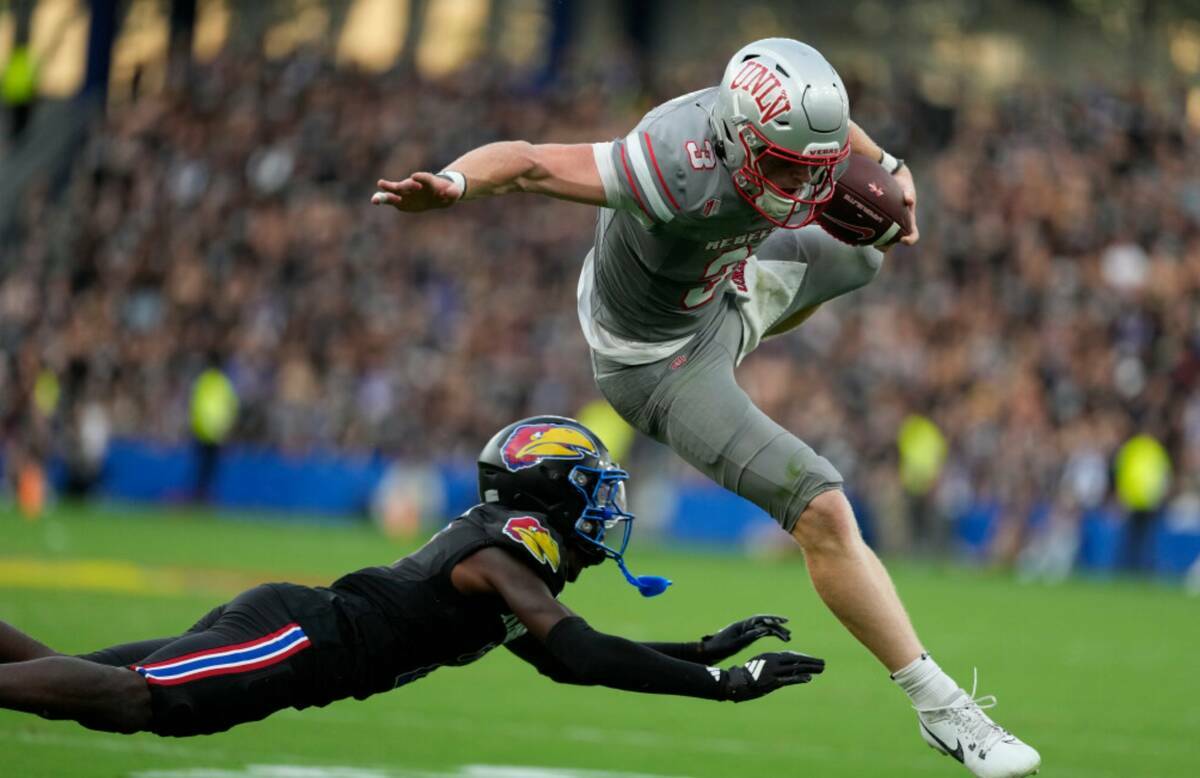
[(703, 249)]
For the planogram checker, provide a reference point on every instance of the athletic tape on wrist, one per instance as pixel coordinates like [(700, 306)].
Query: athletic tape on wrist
[(456, 178), (890, 164)]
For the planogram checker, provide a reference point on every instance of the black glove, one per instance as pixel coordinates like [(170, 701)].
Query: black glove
[(767, 672), (739, 635)]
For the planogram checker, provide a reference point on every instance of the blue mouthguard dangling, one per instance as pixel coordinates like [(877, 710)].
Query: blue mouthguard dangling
[(647, 585), (605, 511)]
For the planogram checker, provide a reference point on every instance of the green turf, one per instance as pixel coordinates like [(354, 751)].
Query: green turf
[(1100, 676)]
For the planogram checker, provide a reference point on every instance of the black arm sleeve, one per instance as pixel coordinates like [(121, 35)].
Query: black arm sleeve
[(689, 652), (607, 660), (533, 651)]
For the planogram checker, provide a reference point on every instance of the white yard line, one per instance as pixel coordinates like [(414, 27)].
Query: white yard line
[(468, 771)]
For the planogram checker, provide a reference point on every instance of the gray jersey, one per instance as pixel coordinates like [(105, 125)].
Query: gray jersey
[(676, 237), (684, 280), (676, 231)]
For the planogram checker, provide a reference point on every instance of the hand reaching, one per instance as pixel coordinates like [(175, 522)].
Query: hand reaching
[(418, 192), (767, 672), (740, 634)]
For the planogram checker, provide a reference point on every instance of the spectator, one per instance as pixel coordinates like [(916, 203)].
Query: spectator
[(214, 405), (1053, 288)]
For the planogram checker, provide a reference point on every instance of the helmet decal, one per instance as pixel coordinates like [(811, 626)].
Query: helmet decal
[(768, 91), (537, 540), (530, 444)]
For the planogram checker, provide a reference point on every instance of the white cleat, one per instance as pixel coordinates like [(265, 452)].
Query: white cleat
[(962, 730)]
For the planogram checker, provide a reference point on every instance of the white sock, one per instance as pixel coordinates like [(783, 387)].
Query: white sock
[(926, 684)]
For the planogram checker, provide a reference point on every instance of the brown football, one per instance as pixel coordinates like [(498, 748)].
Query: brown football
[(867, 208)]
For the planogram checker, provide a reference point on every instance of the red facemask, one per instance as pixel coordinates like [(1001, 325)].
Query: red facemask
[(782, 208)]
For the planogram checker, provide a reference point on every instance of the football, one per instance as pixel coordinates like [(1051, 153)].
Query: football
[(867, 208)]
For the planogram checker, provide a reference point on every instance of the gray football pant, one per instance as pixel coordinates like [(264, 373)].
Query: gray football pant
[(691, 402)]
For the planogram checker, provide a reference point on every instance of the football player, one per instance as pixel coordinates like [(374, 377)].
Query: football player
[(703, 248), (553, 504)]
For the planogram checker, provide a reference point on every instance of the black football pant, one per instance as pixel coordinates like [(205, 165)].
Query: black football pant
[(275, 646)]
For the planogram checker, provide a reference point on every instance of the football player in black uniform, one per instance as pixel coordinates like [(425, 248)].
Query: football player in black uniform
[(553, 504)]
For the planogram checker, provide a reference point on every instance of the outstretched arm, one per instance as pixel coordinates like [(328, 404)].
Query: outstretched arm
[(564, 171), (727, 641), (710, 649), (589, 657)]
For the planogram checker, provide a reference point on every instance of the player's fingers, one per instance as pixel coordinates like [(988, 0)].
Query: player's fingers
[(804, 662), (792, 677), (399, 187), (385, 198), (431, 181), (444, 190), (914, 234), (761, 621), (771, 628)]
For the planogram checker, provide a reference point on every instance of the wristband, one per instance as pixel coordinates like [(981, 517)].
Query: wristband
[(456, 178), (891, 164)]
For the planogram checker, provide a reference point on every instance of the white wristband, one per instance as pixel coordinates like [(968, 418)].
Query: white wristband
[(889, 163), (456, 178)]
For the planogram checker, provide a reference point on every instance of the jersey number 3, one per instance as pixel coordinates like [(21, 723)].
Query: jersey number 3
[(728, 264), (701, 157)]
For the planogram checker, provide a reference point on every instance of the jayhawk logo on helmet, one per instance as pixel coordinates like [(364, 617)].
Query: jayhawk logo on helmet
[(529, 444), (537, 540)]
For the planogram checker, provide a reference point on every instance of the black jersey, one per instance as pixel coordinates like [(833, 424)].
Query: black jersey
[(407, 618), (281, 645)]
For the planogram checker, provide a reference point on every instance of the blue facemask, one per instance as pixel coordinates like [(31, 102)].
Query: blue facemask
[(606, 524)]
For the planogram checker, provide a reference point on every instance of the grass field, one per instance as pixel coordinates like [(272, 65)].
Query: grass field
[(1101, 676)]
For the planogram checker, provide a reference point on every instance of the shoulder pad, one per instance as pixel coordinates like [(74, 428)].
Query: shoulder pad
[(532, 533), (522, 530), (667, 166)]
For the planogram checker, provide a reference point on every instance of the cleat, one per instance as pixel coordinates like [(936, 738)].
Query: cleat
[(962, 730)]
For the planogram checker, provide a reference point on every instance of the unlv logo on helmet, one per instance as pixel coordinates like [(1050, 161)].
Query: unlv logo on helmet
[(529, 444), (766, 89), (530, 533)]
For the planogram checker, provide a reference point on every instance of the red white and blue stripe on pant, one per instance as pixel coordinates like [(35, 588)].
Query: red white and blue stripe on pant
[(223, 660)]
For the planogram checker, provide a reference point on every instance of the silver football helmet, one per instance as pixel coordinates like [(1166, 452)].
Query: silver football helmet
[(781, 100)]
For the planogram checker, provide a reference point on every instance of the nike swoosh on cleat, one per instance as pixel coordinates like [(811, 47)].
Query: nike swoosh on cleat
[(956, 752)]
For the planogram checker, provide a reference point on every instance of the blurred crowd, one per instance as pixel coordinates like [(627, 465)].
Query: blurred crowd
[(1047, 315)]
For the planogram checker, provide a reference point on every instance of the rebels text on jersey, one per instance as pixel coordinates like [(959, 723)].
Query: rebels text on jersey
[(409, 619), (676, 233)]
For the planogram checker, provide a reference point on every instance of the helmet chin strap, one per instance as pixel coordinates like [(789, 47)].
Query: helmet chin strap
[(647, 585)]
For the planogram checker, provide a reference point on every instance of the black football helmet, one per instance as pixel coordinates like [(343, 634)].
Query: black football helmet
[(557, 467)]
